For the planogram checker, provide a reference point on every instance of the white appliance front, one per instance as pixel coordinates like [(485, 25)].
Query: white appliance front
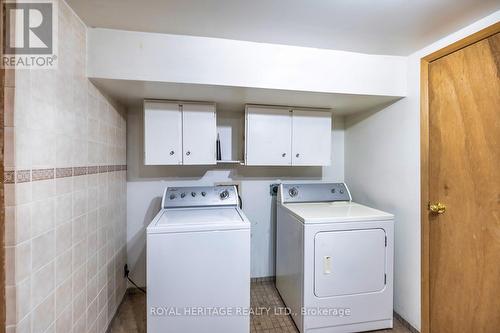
[(334, 276), (198, 264), (349, 262)]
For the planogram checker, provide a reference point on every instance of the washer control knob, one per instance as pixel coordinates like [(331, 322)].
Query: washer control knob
[(193, 194), (341, 191), (293, 192), (183, 195), (172, 196), (203, 193), (333, 190), (224, 194)]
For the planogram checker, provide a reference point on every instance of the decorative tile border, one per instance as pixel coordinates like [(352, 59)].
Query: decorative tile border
[(92, 170), (79, 171), (25, 176), (9, 177), (64, 172), (42, 174)]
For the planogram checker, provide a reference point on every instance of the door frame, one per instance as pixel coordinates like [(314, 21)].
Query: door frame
[(424, 160)]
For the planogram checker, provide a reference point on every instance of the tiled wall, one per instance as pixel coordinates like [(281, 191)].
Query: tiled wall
[(65, 195)]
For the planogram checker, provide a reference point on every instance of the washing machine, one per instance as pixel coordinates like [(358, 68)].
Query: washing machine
[(198, 262), (334, 259)]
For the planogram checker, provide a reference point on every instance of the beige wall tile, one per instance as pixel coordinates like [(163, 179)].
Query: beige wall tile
[(64, 185), (44, 211), (23, 299), (43, 152), (64, 321), (43, 189), (23, 193), (79, 202), (79, 305), (42, 283), (92, 313), (92, 267), (9, 106), (79, 254), (79, 280), (64, 208), (24, 326), (64, 238), (10, 303), (23, 151), (10, 226), (64, 297), (9, 147), (23, 260), (64, 266), (80, 325), (62, 234), (43, 315), (23, 223), (43, 249), (79, 229)]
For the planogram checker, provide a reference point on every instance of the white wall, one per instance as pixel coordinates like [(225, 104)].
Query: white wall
[(382, 163), (146, 184), (126, 55)]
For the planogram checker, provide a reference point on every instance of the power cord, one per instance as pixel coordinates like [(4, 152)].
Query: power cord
[(126, 272)]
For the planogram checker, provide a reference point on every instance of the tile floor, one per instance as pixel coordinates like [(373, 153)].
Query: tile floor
[(131, 316)]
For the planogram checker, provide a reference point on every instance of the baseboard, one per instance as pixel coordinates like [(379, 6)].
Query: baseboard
[(263, 279), (405, 323)]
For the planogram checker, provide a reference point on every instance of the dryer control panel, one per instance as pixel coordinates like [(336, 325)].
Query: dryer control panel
[(200, 196), (314, 192)]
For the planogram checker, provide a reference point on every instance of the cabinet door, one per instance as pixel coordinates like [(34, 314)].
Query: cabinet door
[(199, 133), (311, 137), (162, 133), (268, 136)]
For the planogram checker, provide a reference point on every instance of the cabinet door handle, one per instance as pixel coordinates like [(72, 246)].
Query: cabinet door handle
[(283, 155), (188, 153), (297, 155), (172, 152)]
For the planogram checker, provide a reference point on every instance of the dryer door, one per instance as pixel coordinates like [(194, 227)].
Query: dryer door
[(349, 262)]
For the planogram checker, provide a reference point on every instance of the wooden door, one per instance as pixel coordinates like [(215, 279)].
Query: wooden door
[(464, 175), (162, 133), (311, 137), (268, 138), (199, 134)]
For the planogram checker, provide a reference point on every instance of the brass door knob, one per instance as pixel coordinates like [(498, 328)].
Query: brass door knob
[(437, 208)]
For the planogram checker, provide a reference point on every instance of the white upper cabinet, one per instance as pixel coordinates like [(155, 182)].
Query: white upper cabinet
[(179, 133), (285, 136), (162, 133), (199, 133), (268, 134), (311, 137)]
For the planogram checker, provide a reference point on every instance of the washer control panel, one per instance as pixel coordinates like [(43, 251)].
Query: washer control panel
[(200, 196), (315, 192)]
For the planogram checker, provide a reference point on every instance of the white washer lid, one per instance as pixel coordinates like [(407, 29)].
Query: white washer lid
[(198, 219), (335, 212)]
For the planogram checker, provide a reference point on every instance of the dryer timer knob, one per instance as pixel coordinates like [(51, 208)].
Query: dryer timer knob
[(293, 192), (224, 194)]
